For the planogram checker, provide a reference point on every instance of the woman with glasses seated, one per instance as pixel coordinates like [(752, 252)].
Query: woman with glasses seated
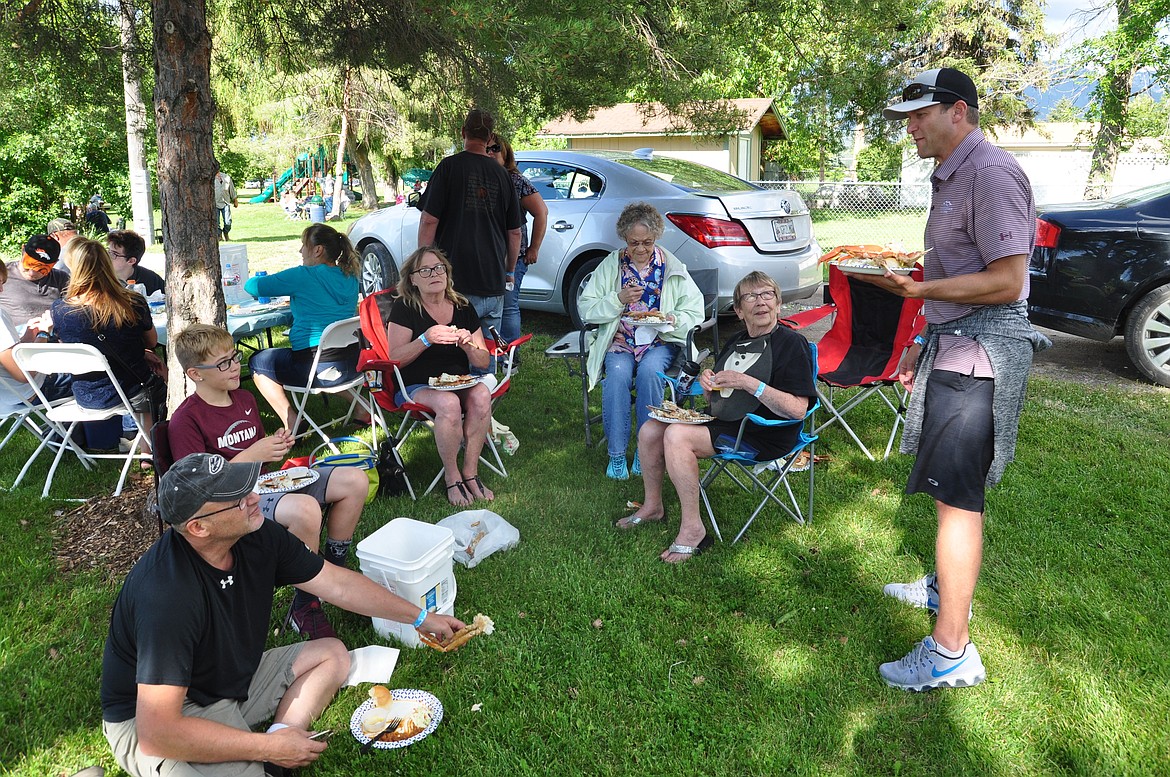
[(765, 370), (321, 290), (433, 331), (640, 279), (220, 417)]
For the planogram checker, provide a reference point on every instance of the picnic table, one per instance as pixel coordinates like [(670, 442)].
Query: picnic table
[(244, 321)]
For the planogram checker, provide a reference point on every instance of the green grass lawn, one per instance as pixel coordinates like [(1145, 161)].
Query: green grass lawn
[(835, 228), (757, 658)]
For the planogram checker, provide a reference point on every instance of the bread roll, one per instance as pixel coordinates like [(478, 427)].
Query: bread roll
[(381, 696)]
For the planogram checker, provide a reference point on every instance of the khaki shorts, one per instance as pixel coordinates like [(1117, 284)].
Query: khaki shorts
[(269, 684)]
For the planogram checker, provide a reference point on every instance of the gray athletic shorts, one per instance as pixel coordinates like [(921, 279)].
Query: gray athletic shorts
[(316, 489), (957, 441), (269, 684)]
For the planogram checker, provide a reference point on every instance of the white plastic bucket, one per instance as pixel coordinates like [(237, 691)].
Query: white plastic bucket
[(414, 560)]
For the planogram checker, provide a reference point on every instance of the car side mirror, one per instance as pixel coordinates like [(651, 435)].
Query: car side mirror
[(413, 199)]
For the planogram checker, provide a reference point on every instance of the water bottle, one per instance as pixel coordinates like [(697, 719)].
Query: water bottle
[(687, 373), (139, 288), (261, 274)]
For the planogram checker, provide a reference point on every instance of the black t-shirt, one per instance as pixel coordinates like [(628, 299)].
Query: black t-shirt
[(473, 198), (437, 359), (180, 621)]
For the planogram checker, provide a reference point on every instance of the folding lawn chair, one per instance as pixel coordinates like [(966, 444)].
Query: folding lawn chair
[(384, 379), (338, 335), (871, 330), (63, 417), (767, 476), (31, 416), (164, 457)]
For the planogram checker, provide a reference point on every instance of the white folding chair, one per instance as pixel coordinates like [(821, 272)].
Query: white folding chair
[(28, 415), (339, 334), (63, 417)]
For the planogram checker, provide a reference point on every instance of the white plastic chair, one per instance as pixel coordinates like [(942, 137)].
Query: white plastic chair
[(63, 417), (339, 334)]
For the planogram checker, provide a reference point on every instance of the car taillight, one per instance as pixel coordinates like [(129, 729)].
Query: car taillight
[(711, 232), (1047, 234)]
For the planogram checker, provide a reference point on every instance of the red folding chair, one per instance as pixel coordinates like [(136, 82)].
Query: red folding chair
[(384, 379), (871, 329)]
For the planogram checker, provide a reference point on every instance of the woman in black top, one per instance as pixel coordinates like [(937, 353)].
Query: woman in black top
[(434, 330)]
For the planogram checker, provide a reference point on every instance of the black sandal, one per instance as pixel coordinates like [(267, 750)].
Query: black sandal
[(462, 491), (479, 485)]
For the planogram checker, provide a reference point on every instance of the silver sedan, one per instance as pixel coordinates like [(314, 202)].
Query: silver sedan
[(713, 220)]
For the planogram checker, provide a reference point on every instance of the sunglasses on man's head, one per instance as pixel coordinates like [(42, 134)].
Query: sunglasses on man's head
[(916, 91)]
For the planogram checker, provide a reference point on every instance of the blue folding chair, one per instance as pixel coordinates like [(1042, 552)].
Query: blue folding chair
[(767, 476)]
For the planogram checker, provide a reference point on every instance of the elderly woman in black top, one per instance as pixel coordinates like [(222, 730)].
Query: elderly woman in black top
[(434, 330)]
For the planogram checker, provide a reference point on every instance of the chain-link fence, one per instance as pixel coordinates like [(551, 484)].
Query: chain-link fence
[(851, 213)]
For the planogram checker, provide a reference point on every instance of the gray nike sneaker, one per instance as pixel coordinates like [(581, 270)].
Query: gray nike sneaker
[(923, 593), (925, 668)]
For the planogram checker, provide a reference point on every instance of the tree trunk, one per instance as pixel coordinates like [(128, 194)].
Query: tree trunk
[(141, 201), (361, 155), (1113, 95), (339, 167), (183, 109)]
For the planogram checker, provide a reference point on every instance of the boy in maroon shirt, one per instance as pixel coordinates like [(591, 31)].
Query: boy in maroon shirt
[(222, 418)]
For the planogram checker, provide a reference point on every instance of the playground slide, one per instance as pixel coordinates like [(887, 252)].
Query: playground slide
[(266, 195)]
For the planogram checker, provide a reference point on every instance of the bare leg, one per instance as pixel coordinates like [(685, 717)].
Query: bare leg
[(650, 453), (959, 556), (684, 448), (301, 515), (273, 393), (477, 419), (320, 668), (448, 437)]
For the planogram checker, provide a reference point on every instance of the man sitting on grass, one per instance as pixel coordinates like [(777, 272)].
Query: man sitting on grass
[(222, 418), (185, 675)]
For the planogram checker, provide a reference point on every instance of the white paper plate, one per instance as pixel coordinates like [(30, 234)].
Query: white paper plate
[(455, 387), (668, 420), (862, 269), (291, 479), (400, 695), (642, 322)]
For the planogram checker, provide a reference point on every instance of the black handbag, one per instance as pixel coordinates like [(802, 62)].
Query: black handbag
[(391, 470)]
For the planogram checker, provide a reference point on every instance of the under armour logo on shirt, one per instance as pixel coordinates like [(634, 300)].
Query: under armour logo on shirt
[(226, 582)]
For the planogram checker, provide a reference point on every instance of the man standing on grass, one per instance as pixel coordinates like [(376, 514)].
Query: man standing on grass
[(185, 676), (470, 211), (225, 200), (970, 369)]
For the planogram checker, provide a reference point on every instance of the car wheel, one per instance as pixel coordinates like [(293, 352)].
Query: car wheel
[(378, 269), (576, 286), (1147, 335)]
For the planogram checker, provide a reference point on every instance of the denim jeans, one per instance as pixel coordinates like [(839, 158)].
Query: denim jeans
[(490, 311), (622, 372), (511, 326)]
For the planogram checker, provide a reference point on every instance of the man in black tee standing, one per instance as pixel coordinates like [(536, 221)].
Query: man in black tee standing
[(185, 676), (470, 211)]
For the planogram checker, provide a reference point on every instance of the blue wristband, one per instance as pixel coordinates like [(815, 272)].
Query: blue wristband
[(919, 340), (423, 339), (760, 391), (422, 616)]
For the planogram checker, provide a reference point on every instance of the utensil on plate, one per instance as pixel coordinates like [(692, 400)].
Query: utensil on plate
[(393, 724)]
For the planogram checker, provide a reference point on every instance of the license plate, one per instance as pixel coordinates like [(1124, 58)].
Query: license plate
[(783, 229)]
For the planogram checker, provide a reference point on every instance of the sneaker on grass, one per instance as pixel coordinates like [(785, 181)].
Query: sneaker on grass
[(923, 593), (310, 619), (927, 666)]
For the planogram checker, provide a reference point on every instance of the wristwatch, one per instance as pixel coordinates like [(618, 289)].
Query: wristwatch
[(509, 281)]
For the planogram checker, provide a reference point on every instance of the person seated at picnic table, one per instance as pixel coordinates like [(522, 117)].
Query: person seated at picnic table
[(35, 281), (99, 310), (126, 249), (14, 387), (220, 417), (434, 330), (321, 290), (643, 277), (765, 370), (185, 676)]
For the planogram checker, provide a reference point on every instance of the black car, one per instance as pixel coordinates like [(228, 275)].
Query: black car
[(1102, 269)]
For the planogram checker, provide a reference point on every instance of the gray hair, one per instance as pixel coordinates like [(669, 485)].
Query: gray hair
[(640, 213)]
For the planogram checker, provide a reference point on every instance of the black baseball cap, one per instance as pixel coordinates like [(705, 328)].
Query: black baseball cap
[(941, 85), (199, 478)]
